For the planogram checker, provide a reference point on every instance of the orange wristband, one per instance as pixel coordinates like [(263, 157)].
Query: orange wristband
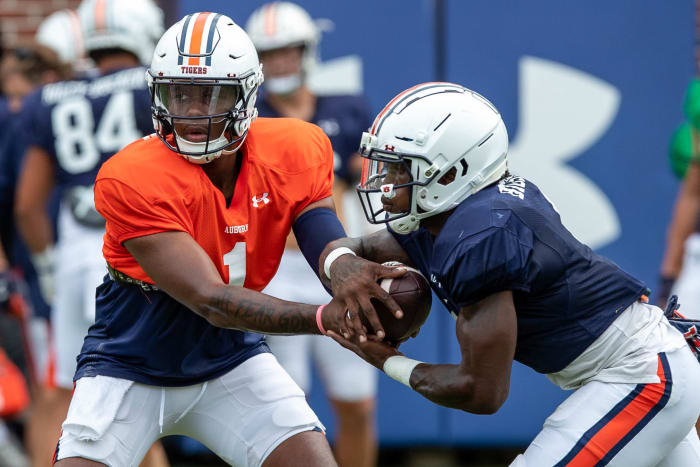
[(318, 319)]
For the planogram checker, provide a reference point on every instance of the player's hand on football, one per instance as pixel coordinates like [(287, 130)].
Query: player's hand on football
[(373, 352), (354, 282), (335, 319)]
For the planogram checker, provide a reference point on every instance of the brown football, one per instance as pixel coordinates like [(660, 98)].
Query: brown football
[(412, 293)]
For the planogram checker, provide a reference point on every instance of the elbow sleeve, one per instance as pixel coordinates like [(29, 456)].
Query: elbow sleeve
[(314, 230)]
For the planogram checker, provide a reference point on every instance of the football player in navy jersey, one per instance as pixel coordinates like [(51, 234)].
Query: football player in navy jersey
[(520, 287), (70, 128), (287, 41)]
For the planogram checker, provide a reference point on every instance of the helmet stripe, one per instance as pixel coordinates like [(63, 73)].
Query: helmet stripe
[(270, 26), (399, 99), (386, 107), (183, 39), (100, 7), (196, 39), (205, 33), (210, 38), (77, 31)]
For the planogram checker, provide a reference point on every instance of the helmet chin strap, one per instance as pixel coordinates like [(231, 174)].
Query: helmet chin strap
[(284, 84), (405, 225), (189, 146)]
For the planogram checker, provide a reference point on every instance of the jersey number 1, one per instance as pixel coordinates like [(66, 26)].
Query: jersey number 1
[(235, 260)]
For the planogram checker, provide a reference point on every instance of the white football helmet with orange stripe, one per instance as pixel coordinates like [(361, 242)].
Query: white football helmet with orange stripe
[(284, 24), (61, 31), (204, 81), (134, 26), (442, 141)]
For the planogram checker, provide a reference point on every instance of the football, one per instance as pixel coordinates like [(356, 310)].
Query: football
[(412, 293)]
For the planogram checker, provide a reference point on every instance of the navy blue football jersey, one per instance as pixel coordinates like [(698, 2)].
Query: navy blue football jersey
[(509, 237), (343, 118), (82, 123), (133, 338)]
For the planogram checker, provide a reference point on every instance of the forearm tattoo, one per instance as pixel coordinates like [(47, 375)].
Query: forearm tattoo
[(247, 310)]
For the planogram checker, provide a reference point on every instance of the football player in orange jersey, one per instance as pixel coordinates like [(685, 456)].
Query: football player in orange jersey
[(190, 241)]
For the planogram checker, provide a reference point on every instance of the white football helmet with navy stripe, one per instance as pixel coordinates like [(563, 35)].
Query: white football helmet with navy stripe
[(450, 140), (134, 26), (204, 81)]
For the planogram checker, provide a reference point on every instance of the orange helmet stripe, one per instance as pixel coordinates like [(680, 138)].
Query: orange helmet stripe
[(196, 41), (100, 14), (77, 31), (270, 24)]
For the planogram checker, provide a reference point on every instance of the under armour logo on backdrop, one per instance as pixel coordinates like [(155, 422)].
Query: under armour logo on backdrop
[(262, 199)]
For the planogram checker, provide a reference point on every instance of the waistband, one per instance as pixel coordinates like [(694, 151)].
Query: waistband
[(123, 279)]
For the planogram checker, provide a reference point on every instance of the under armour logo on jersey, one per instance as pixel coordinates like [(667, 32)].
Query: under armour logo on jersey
[(389, 148), (262, 199)]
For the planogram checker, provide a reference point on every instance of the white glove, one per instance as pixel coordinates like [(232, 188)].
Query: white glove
[(44, 265)]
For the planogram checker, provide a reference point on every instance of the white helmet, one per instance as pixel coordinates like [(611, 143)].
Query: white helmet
[(431, 130), (130, 25), (284, 24), (204, 81), (61, 32)]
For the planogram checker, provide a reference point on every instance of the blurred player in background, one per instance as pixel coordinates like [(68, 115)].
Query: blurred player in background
[(62, 32), (14, 396), (70, 129), (196, 220), (520, 286), (680, 267), (23, 69), (287, 41)]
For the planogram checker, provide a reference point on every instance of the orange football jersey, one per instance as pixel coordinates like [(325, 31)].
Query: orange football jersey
[(146, 189)]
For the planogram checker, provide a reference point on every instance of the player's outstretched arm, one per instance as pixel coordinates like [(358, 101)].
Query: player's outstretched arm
[(181, 268), (486, 332), (353, 278), (683, 223)]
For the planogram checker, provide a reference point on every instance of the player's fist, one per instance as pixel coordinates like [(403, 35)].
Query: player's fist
[(334, 318)]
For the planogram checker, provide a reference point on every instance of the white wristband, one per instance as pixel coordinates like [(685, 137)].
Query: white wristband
[(332, 256), (400, 368)]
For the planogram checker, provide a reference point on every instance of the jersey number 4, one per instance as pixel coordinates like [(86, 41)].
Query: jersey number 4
[(78, 145), (235, 260)]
